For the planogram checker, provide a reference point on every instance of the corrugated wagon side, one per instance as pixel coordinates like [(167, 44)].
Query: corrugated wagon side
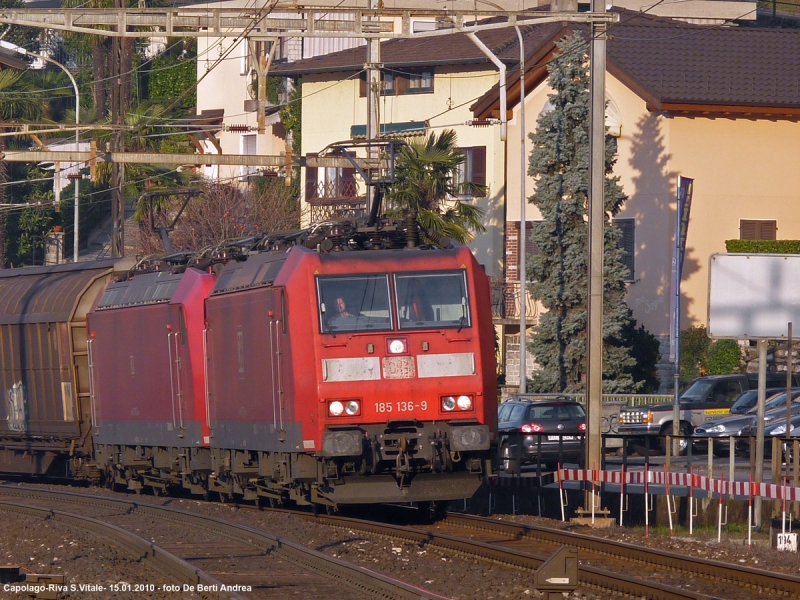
[(45, 415)]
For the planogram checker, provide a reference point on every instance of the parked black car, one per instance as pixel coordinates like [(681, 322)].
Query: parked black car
[(545, 432)]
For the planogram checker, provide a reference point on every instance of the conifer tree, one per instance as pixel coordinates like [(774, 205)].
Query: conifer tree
[(560, 163)]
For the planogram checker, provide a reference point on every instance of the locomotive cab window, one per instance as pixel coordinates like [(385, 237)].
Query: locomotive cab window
[(432, 300), (358, 303)]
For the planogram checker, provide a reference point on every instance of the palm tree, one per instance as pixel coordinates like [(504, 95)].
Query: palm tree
[(427, 188), (18, 101)]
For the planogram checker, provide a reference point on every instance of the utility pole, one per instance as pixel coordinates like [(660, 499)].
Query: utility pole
[(594, 355), (373, 107), (117, 174)]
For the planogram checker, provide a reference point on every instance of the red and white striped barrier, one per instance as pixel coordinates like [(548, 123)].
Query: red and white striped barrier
[(721, 486)]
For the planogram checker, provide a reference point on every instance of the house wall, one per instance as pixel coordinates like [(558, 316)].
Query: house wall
[(743, 168), (225, 86), (331, 104)]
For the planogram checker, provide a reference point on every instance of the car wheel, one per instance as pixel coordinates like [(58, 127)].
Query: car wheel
[(507, 462), (685, 430)]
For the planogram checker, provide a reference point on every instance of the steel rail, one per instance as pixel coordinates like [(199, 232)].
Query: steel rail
[(338, 570), (137, 546), (711, 569)]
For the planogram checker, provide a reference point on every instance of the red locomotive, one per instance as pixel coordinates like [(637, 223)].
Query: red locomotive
[(336, 366)]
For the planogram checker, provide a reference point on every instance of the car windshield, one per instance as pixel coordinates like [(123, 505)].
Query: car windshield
[(432, 300), (697, 391), (745, 401), (357, 303), (504, 412)]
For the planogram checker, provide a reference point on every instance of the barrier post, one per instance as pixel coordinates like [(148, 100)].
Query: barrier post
[(750, 513), (593, 471), (795, 468), (646, 501), (621, 494), (719, 512), (669, 506), (710, 457), (691, 499), (783, 515), (561, 492), (731, 459)]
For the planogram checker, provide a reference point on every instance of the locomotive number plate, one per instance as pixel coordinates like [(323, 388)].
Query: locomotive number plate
[(398, 367)]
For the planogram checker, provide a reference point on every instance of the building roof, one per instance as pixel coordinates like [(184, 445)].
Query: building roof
[(672, 65), (681, 67), (456, 48)]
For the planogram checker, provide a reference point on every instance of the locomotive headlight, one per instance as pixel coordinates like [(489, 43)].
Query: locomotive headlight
[(448, 403), (352, 407), (464, 402), (335, 408), (397, 345)]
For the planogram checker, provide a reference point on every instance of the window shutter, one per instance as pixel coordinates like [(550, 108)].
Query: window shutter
[(748, 230), (400, 83), (757, 229), (628, 244), (311, 181), (768, 230), (531, 249), (479, 166)]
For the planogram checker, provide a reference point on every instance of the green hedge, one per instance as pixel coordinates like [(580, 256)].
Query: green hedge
[(763, 246)]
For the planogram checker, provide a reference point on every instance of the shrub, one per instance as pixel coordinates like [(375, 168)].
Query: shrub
[(724, 356)]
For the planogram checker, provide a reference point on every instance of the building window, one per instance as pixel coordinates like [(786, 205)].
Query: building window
[(752, 229), (249, 148), (627, 242), (473, 168), (400, 83), (420, 82)]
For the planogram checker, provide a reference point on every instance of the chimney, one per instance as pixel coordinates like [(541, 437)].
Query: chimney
[(570, 6)]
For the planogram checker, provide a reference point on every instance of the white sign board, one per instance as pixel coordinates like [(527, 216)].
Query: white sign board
[(753, 295), (787, 542)]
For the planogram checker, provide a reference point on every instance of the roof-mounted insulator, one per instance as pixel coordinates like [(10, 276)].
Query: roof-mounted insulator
[(238, 128), (74, 176), (482, 122)]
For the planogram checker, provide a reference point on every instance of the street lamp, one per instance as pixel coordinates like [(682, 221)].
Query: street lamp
[(41, 57)]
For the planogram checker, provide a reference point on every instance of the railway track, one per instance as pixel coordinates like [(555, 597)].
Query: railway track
[(605, 566), (363, 582), (140, 549), (511, 543)]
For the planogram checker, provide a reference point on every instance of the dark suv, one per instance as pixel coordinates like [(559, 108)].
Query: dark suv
[(545, 432)]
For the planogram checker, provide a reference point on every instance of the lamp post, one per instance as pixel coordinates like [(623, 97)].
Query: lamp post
[(41, 57)]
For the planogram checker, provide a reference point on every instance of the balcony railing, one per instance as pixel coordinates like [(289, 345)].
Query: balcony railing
[(334, 199), (506, 302)]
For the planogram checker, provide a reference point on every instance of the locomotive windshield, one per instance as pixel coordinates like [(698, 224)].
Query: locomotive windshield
[(432, 300), (357, 303)]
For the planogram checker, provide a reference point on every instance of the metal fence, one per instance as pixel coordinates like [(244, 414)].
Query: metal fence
[(627, 399), (506, 301)]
